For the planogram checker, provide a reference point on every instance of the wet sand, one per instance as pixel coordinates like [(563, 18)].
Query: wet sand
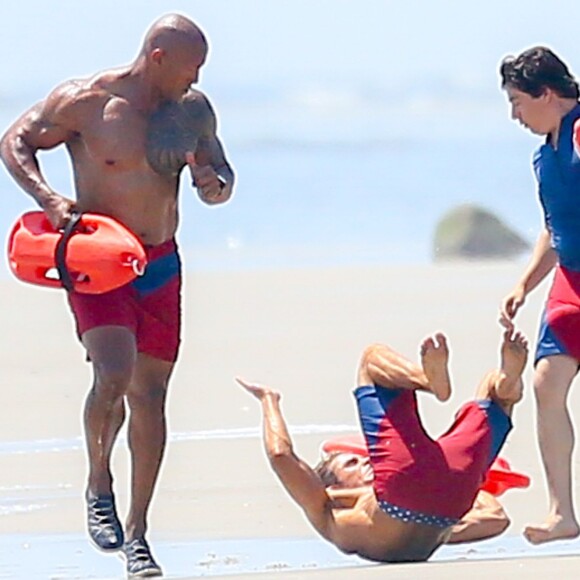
[(298, 330)]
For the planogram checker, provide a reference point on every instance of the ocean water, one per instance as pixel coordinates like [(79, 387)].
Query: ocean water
[(326, 178), (351, 130)]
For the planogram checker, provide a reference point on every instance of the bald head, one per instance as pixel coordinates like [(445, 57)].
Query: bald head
[(174, 31), (173, 52)]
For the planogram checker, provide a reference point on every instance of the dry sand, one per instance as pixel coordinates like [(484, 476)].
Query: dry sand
[(298, 330)]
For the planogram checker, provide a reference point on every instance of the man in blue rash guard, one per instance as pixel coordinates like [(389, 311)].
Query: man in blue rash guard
[(544, 97)]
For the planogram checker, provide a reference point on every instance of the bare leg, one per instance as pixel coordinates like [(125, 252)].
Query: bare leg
[(504, 385), (383, 366), (102, 426), (147, 437), (552, 381), (113, 353)]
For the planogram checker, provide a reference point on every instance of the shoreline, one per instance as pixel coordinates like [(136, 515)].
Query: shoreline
[(300, 330)]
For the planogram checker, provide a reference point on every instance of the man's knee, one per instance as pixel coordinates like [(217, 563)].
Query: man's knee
[(113, 352), (150, 395), (485, 390), (372, 357), (547, 395), (367, 355), (113, 376), (552, 380)]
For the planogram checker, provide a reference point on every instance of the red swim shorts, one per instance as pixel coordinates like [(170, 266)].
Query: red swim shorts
[(150, 306), (421, 479), (560, 324)]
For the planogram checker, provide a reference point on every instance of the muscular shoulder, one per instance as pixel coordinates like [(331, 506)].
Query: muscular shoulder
[(70, 100), (196, 98), (199, 109)]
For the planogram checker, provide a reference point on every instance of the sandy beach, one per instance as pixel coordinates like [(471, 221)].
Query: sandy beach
[(298, 330)]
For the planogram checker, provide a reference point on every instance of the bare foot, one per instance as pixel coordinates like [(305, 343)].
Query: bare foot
[(434, 359), (514, 355), (555, 528)]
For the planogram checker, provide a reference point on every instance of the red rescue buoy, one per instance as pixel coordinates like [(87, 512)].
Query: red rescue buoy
[(353, 443), (500, 477), (100, 255)]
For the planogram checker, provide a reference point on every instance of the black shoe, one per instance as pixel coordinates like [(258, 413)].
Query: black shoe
[(140, 562), (103, 523)]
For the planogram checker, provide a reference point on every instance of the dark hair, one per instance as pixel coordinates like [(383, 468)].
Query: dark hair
[(324, 470), (537, 69)]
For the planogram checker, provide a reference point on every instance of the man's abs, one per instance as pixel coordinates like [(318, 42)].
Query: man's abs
[(112, 174), (140, 199)]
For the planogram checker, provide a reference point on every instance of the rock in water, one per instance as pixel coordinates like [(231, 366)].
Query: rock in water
[(470, 232)]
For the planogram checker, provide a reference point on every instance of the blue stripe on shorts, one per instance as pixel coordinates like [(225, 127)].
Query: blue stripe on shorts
[(158, 273), (500, 425), (548, 344), (373, 403)]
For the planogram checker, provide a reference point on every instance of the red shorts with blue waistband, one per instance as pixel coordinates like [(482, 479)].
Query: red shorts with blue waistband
[(425, 480), (560, 325), (150, 306)]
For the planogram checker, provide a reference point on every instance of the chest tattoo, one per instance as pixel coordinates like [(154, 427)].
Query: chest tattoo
[(173, 129)]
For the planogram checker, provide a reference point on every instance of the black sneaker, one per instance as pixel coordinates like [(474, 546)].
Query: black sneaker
[(140, 562), (103, 524)]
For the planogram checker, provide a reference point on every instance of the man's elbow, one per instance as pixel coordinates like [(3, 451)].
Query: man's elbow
[(6, 146), (13, 146), (279, 456), (486, 530), (498, 525), (483, 529), (499, 519)]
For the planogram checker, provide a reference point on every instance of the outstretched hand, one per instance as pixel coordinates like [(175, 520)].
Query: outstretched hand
[(510, 306), (259, 391)]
